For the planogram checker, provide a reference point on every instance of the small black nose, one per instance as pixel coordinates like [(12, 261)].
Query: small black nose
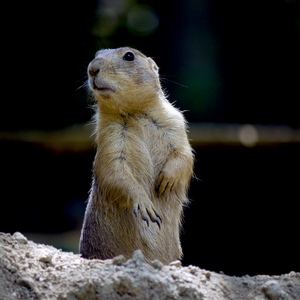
[(94, 67)]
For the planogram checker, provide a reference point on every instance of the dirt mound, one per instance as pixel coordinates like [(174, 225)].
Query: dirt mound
[(35, 271)]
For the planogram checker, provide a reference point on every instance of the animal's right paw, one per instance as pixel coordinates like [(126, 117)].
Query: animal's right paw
[(147, 211)]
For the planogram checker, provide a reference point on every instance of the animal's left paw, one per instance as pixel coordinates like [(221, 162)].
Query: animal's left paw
[(166, 182)]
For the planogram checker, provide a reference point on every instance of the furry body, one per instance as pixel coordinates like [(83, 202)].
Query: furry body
[(143, 163)]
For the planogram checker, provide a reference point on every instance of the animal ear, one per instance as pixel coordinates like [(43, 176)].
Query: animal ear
[(153, 66)]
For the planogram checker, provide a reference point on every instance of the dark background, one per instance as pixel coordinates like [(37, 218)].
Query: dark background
[(222, 61)]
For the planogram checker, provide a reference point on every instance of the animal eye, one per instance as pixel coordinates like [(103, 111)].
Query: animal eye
[(129, 56)]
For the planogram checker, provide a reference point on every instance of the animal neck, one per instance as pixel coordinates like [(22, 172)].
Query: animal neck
[(132, 106)]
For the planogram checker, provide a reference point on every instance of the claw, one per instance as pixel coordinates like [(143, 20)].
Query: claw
[(135, 211), (157, 222), (156, 219), (146, 220), (158, 215)]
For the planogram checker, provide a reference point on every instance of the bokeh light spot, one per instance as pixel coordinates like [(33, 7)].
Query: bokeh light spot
[(248, 135)]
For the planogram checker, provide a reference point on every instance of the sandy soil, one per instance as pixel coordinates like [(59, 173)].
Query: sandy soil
[(35, 271)]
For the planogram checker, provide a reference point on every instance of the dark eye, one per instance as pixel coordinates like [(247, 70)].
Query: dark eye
[(129, 56)]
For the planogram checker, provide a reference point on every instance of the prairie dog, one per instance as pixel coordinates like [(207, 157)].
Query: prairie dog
[(143, 163)]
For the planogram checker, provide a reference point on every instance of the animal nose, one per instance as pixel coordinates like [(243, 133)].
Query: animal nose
[(94, 67)]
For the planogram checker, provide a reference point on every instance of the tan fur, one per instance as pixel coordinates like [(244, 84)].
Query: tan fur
[(143, 164)]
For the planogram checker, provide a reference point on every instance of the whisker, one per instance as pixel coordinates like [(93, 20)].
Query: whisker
[(164, 79)]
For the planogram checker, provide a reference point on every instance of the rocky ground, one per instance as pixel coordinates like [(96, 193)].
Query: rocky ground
[(35, 271)]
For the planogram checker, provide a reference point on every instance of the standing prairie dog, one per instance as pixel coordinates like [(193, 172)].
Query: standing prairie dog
[(143, 163)]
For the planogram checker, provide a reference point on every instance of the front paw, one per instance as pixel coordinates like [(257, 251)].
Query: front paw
[(147, 211), (165, 183)]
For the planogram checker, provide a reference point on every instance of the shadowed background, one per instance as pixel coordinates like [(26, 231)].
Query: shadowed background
[(232, 66)]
